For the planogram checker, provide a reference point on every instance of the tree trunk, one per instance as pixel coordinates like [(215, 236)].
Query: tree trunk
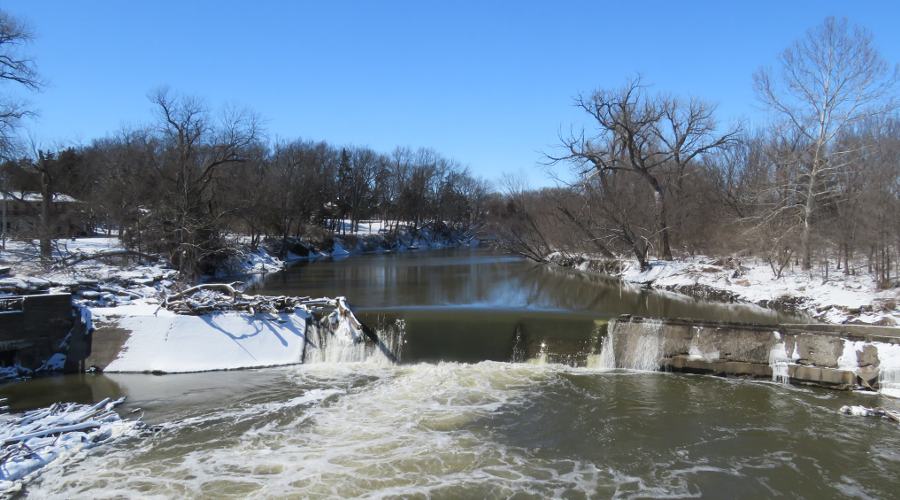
[(661, 216), (46, 232), (587, 231)]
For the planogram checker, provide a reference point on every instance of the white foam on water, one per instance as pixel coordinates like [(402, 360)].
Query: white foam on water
[(606, 360), (416, 430), (541, 358)]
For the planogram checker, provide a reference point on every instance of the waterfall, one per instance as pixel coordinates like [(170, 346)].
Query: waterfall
[(779, 360), (606, 360), (888, 369), (335, 339), (694, 351), (640, 346), (519, 355), (541, 358)]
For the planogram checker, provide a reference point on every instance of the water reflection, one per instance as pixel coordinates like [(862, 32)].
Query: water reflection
[(483, 278)]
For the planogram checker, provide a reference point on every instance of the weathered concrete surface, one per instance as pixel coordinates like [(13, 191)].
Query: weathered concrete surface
[(810, 354), (32, 329), (107, 344)]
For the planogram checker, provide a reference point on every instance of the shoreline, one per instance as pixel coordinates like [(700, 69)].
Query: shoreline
[(842, 300)]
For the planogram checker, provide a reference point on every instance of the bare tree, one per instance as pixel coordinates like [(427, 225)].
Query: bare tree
[(830, 79), (644, 135), (194, 149), (14, 68)]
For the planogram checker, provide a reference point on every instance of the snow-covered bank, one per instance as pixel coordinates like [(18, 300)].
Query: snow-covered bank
[(134, 298), (371, 238), (839, 299)]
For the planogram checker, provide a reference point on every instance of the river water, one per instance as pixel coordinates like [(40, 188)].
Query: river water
[(457, 419)]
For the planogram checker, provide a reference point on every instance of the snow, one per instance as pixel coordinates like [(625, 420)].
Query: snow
[(339, 250), (365, 227), (855, 410), (251, 262), (837, 300), (177, 344), (31, 275), (56, 363), (848, 360), (33, 197), (48, 436)]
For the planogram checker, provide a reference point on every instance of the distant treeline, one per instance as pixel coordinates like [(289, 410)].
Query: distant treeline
[(185, 182), (818, 187)]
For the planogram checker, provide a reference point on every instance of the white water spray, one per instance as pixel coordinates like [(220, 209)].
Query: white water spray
[(640, 346), (606, 360), (339, 340), (888, 369)]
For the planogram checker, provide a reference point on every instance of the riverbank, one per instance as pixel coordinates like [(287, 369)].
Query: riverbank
[(122, 295), (837, 299)]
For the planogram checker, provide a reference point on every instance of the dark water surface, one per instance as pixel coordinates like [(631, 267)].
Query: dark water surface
[(472, 279), (483, 430), (457, 419)]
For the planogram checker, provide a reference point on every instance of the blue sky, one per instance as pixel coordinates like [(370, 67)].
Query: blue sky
[(487, 83)]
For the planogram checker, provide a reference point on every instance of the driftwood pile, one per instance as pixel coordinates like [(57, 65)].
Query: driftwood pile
[(214, 297), (31, 440)]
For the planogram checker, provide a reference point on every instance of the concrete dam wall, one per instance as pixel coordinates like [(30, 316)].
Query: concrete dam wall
[(835, 356)]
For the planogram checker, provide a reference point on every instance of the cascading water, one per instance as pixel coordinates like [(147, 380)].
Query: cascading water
[(337, 339), (519, 355), (606, 360), (541, 358), (640, 347), (888, 369)]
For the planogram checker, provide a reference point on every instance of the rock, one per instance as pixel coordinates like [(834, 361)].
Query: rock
[(819, 350), (868, 356), (868, 376)]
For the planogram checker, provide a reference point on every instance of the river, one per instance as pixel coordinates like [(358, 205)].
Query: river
[(457, 419)]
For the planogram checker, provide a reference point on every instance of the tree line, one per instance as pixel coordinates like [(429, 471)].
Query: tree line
[(188, 182), (191, 180), (818, 187)]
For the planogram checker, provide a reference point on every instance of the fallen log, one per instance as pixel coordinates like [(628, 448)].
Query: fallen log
[(227, 287), (83, 257)]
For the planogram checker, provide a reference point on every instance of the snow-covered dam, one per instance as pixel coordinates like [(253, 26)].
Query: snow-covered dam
[(493, 379)]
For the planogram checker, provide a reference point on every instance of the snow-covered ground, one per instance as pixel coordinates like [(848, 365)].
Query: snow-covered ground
[(364, 227), (839, 299), (173, 343)]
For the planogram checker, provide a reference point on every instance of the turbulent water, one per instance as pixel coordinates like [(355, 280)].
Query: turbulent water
[(489, 429), (507, 386)]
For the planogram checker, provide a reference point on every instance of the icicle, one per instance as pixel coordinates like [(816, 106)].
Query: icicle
[(779, 360)]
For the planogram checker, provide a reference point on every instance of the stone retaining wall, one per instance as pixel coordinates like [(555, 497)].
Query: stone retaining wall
[(807, 354)]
